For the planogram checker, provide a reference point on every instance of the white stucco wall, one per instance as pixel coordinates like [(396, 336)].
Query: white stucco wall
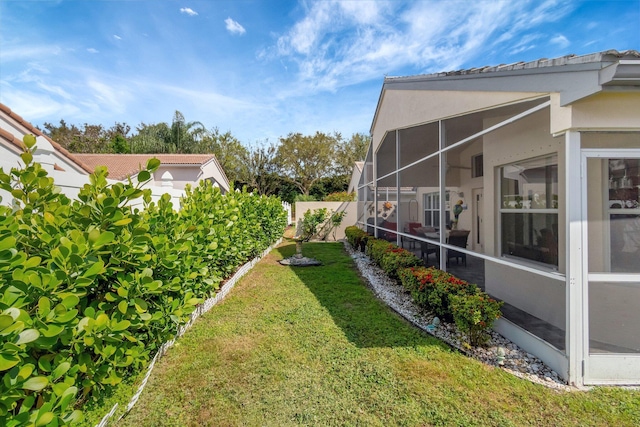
[(402, 108)]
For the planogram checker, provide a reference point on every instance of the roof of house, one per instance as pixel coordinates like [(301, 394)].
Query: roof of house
[(7, 136), (573, 77), (605, 57), (122, 166)]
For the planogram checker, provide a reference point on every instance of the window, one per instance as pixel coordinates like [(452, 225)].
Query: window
[(477, 166), (529, 210), (432, 210)]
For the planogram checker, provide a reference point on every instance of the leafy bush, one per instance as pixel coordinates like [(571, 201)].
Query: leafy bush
[(90, 288), (474, 315), (396, 258), (320, 223), (341, 196), (376, 249), (451, 298), (356, 237), (312, 221)]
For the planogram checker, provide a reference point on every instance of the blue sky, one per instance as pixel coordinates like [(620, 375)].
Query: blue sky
[(262, 69)]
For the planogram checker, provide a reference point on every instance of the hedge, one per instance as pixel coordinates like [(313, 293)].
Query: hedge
[(90, 288), (435, 290)]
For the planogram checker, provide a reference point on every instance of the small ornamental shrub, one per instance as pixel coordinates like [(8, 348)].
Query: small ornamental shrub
[(474, 315), (353, 234), (443, 287), (421, 282), (395, 258), (356, 237), (376, 249), (341, 196)]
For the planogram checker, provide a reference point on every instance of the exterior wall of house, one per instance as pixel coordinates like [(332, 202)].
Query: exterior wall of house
[(18, 131), (182, 175), (599, 111), (401, 108), (356, 173), (212, 170), (522, 140)]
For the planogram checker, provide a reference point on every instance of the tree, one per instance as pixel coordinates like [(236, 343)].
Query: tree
[(260, 169), (119, 144), (150, 138), (89, 138), (305, 159), (62, 134), (351, 151), (229, 151), (185, 136)]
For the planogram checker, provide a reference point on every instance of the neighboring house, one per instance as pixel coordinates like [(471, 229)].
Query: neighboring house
[(356, 173), (175, 171), (68, 171), (545, 157)]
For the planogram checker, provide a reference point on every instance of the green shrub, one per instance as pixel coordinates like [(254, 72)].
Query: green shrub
[(376, 249), (90, 288), (395, 258), (474, 316), (355, 236), (340, 196)]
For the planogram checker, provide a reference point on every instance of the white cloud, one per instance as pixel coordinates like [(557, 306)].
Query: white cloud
[(234, 27), (561, 41), (337, 44), (92, 50), (188, 11), (117, 37)]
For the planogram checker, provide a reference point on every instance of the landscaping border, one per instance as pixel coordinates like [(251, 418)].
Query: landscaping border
[(517, 362), (199, 311)]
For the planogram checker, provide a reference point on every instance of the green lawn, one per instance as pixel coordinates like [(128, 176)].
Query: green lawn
[(313, 346)]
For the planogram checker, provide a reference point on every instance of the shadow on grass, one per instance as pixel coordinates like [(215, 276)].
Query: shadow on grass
[(365, 320)]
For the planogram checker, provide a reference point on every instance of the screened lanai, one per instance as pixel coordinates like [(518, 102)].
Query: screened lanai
[(505, 189)]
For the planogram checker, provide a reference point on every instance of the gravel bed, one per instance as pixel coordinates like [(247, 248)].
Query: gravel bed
[(516, 361)]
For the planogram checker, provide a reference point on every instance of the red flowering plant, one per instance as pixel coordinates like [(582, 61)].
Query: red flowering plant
[(419, 281), (395, 258), (443, 286), (474, 315)]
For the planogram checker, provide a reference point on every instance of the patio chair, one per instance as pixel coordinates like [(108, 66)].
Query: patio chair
[(428, 248), (457, 238)]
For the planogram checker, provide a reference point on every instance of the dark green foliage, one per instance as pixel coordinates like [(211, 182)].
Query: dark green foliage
[(340, 196), (355, 235), (90, 288), (376, 249), (435, 290), (395, 258), (453, 299)]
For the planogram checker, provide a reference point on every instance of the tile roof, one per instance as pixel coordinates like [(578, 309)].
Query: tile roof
[(603, 56), (122, 166), (32, 129)]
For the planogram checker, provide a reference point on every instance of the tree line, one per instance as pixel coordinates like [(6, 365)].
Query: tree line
[(297, 166)]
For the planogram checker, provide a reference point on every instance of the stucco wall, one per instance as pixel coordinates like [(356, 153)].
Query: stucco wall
[(402, 108), (525, 139), (349, 207)]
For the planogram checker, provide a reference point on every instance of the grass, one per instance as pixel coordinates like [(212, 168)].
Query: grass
[(313, 346)]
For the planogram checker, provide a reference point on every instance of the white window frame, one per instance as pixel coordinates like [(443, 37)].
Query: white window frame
[(526, 210)]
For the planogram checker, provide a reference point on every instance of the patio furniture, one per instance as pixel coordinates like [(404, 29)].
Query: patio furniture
[(457, 238), (411, 228)]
